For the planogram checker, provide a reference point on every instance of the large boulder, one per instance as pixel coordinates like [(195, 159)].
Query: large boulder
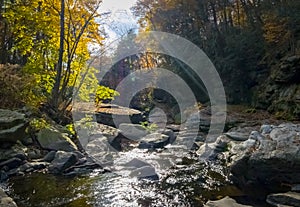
[(88, 132), (12, 125), (92, 130), (52, 139), (268, 158)]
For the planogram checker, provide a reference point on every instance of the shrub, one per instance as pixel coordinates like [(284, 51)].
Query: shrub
[(15, 86), (105, 94)]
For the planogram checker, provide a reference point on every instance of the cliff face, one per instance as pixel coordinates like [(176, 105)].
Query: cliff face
[(280, 92)]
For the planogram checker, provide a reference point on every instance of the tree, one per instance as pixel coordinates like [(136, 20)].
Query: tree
[(37, 27), (80, 31)]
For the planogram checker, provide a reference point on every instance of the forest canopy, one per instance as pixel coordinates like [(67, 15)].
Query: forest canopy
[(48, 41)]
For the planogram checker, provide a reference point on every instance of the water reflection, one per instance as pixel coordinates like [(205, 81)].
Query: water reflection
[(189, 183)]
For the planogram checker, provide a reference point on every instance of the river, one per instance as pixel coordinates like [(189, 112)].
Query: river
[(188, 183)]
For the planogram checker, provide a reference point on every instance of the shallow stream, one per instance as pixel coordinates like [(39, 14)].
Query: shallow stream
[(189, 183)]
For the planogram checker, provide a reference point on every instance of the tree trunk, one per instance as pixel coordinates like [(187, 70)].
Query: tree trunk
[(55, 91)]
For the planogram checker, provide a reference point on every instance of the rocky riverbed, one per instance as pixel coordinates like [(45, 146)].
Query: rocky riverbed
[(149, 167)]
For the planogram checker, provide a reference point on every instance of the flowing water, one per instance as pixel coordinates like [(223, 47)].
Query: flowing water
[(188, 183)]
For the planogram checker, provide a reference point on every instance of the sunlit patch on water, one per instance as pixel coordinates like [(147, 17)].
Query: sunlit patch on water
[(187, 183)]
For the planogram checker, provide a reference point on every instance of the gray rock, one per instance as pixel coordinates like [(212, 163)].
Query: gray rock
[(15, 172), (285, 132), (52, 139), (154, 140), (107, 113), (62, 161), (39, 165), (33, 166), (83, 169), (200, 138), (16, 150), (10, 118), (34, 154), (140, 169), (284, 199), (13, 134), (145, 172), (103, 134), (210, 151), (11, 163), (158, 117), (133, 131), (170, 133), (50, 156), (267, 159), (296, 188), (101, 151), (237, 136), (12, 126), (221, 143), (243, 147), (266, 129), (135, 163), (225, 202), (173, 127), (79, 155), (89, 131), (255, 135), (205, 118), (83, 166), (293, 59), (27, 141), (3, 176), (6, 201), (207, 152)]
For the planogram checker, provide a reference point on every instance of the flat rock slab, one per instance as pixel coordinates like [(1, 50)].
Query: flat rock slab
[(10, 118), (284, 199), (237, 136), (105, 113), (225, 202), (12, 125), (114, 115), (13, 134), (115, 109)]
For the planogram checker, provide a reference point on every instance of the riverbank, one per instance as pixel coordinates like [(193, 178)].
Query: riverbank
[(244, 158)]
